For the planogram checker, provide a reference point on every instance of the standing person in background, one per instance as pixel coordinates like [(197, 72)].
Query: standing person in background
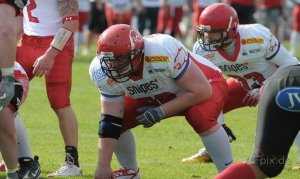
[(295, 35), (8, 39), (144, 80), (47, 49), (96, 25), (248, 54), (277, 126), (198, 7), (271, 14), (147, 12), (169, 16), (245, 10), (118, 11), (84, 9)]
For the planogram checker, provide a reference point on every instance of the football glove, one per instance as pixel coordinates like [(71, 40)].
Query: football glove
[(7, 90), (151, 117), (252, 97), (229, 132)]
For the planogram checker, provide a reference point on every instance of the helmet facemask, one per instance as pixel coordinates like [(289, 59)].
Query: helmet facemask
[(208, 44), (120, 68)]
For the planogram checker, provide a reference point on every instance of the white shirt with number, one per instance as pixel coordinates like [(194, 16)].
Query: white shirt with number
[(41, 18)]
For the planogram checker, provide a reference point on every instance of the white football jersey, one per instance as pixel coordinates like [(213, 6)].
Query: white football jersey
[(165, 61), (41, 18), (258, 54)]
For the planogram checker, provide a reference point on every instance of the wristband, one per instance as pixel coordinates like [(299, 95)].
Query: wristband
[(7, 71), (70, 18), (61, 38)]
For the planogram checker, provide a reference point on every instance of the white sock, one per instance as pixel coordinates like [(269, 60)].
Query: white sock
[(294, 40), (125, 151), (23, 143), (221, 118), (218, 147)]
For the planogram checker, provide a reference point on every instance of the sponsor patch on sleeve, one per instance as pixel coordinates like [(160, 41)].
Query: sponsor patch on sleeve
[(155, 59), (253, 41)]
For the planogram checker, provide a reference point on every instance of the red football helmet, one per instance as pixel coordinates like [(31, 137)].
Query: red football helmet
[(217, 18), (120, 49)]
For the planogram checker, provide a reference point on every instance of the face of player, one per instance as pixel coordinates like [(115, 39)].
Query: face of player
[(212, 40)]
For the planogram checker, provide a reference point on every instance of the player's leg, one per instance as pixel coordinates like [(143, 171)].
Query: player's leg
[(58, 84), (276, 113), (297, 142), (203, 118), (125, 150)]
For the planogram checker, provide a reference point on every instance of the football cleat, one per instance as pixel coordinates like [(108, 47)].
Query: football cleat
[(67, 169), (125, 173), (201, 157), (2, 167), (296, 167), (29, 168), (14, 175)]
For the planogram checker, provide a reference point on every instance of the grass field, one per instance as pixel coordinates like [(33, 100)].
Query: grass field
[(159, 149)]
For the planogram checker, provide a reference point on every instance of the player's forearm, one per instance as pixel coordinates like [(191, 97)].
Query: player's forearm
[(68, 9)]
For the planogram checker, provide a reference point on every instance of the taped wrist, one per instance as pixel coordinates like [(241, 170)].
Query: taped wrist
[(61, 39), (110, 127)]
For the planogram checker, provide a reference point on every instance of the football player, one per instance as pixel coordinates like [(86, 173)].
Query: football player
[(279, 110), (144, 80), (8, 37), (247, 54), (47, 49)]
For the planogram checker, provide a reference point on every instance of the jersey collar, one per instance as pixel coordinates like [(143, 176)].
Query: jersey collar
[(236, 50)]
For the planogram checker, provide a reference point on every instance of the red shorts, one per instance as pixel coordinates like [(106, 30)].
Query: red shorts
[(196, 14), (59, 78), (169, 18), (296, 18), (201, 117), (83, 18), (235, 97), (115, 18)]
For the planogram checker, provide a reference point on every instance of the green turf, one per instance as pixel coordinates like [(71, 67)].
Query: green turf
[(159, 149)]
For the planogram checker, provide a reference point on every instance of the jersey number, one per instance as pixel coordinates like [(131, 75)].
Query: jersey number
[(255, 76), (159, 99), (30, 7)]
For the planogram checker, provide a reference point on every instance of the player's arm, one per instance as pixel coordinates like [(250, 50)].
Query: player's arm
[(196, 90), (68, 9)]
